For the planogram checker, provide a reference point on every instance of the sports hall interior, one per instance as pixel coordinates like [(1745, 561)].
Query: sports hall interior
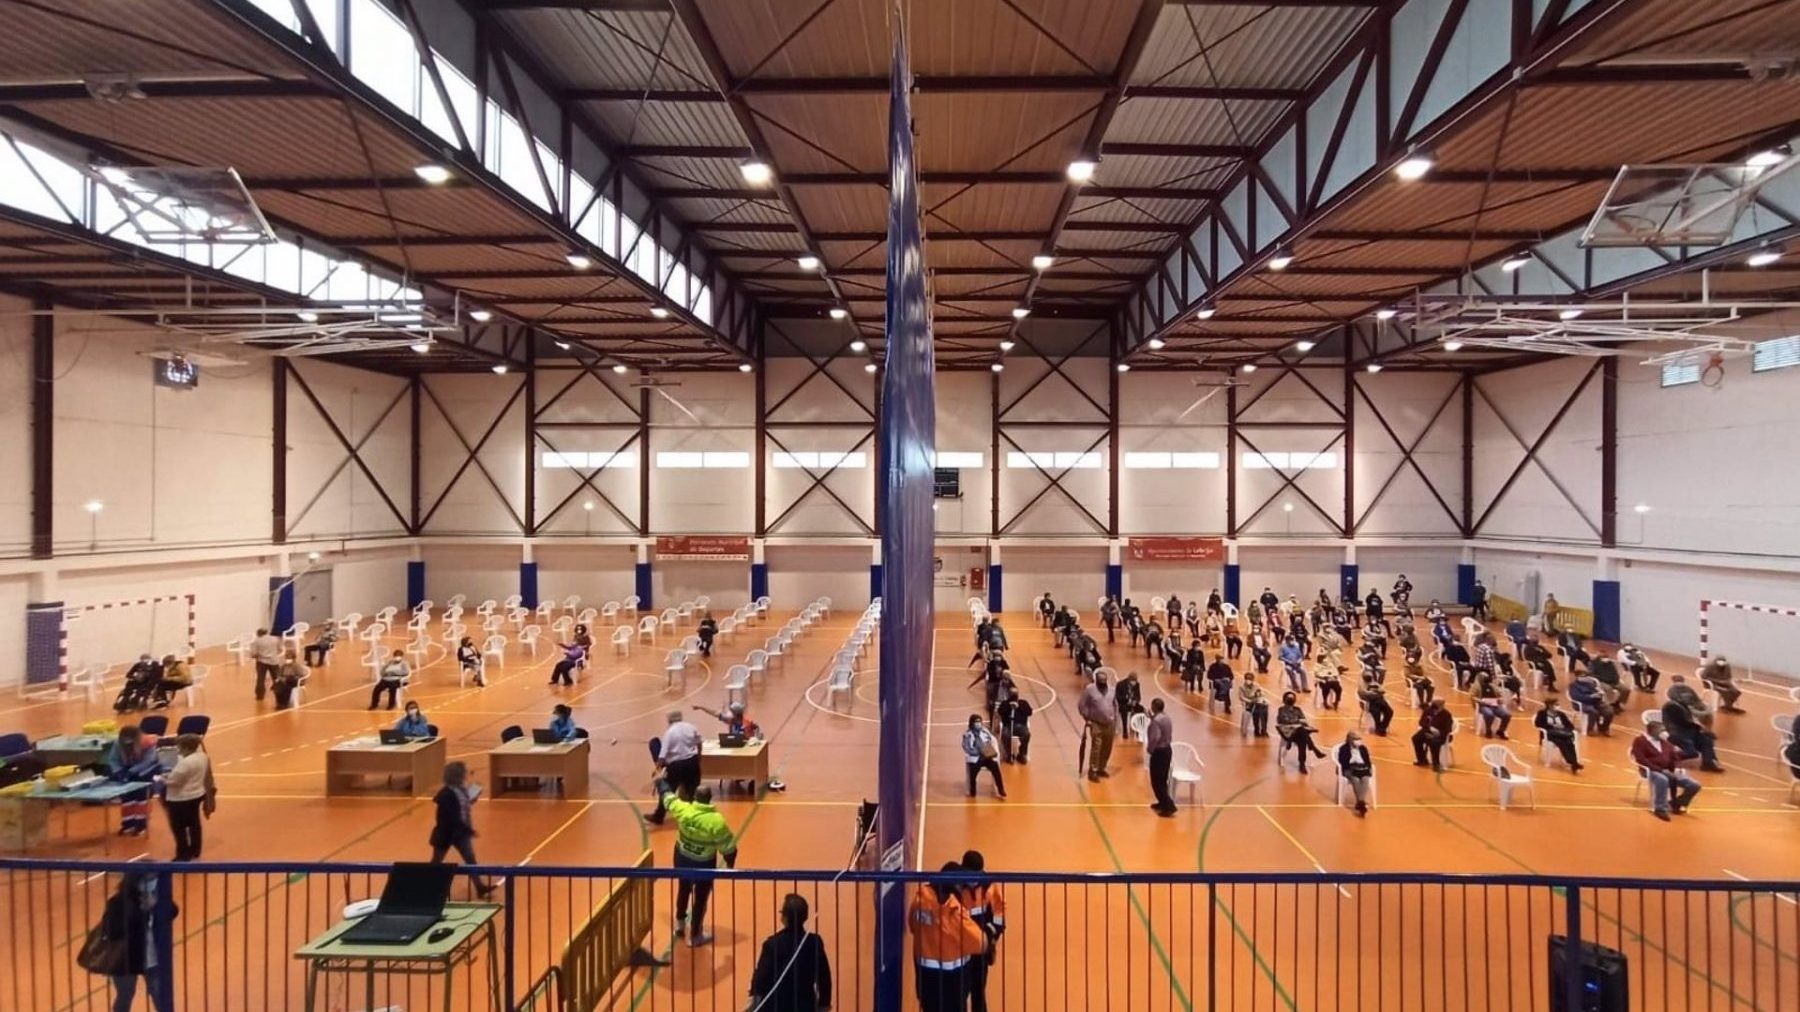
[(503, 316)]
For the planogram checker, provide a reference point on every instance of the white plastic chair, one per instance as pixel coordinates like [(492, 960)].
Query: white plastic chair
[(529, 637), (630, 605), (1184, 769), (453, 634), (1448, 754), (758, 662), (1343, 784), (1139, 724), (90, 679), (668, 618), (1550, 755), (191, 691), (825, 607), (418, 648), (495, 647), (702, 603), (240, 649), (684, 613), (386, 616), (773, 648), (621, 640), (374, 659), (1159, 607), (456, 600), (518, 617), (424, 607), (647, 628), (348, 624), (492, 623), (1471, 629), (586, 617), (486, 608), (546, 611), (571, 603), (296, 634), (1497, 758), (513, 601), (690, 644), (675, 666), (563, 629), (609, 611), (762, 607), (727, 628), (737, 684), (842, 681)]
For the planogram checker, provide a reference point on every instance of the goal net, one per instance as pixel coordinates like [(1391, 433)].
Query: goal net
[(1761, 641), (114, 633)]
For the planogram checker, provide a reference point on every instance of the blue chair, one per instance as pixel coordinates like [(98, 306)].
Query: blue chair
[(156, 724), (432, 729), (194, 723), (581, 732), (14, 744), (510, 732)]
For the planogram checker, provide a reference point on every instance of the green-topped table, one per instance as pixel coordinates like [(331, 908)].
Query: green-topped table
[(24, 818), (472, 927), (73, 749)]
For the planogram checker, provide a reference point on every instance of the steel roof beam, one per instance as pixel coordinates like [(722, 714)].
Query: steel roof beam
[(927, 85)]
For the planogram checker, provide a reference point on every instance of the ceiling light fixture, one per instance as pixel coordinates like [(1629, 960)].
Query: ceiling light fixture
[(745, 367), (1006, 344), (1287, 507), (307, 316), (1156, 343), (1514, 262), (1020, 312), (1413, 167), (564, 345), (1042, 262), (1453, 345), (997, 366), (870, 367), (1641, 508), (1304, 346), (400, 317), (1374, 367), (659, 312), (1205, 313), (436, 175), (619, 367), (94, 506), (422, 347), (1124, 366), (1082, 169), (839, 312), (1249, 367), (1281, 260), (859, 345), (588, 505), (756, 172), (1386, 314), (1568, 314), (499, 368), (1765, 159), (579, 261), (1763, 257), (808, 262), (480, 315)]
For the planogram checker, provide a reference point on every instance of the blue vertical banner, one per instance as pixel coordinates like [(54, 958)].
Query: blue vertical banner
[(1115, 581), (1606, 610), (874, 581), (643, 586), (994, 595), (1465, 583), (528, 591), (415, 583), (1347, 581), (45, 643), (908, 437), (759, 580), (1234, 578), (281, 611)]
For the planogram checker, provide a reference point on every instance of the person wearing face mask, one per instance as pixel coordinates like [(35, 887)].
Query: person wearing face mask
[(1559, 731), (1292, 726), (414, 724), (981, 751), (1097, 712), (1357, 769), (1672, 788)]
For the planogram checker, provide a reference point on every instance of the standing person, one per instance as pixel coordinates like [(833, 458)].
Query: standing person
[(1478, 600), (678, 760), (469, 659), (986, 906), (132, 760), (1659, 760), (701, 839), (393, 675), (1357, 769), (1559, 731), (709, 628), (1403, 589), (793, 973), (1128, 699), (1174, 605), (1015, 722), (130, 918), (455, 825), (1159, 747), (187, 788), (1435, 728), (265, 650), (944, 940), (1134, 624), (1097, 712), (981, 640), (1374, 612), (1552, 615), (318, 652), (1109, 617), (982, 752)]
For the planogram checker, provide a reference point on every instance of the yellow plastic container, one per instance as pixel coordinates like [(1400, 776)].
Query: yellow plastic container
[(108, 726)]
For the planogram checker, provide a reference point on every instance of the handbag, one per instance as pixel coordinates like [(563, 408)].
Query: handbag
[(102, 954)]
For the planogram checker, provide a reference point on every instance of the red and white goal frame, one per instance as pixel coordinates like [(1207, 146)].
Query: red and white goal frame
[(1707, 607), (74, 614)]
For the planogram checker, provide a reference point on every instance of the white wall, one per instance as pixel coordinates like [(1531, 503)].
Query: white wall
[(328, 498), (366, 582), (1431, 570), (707, 411), (456, 496), (834, 406), (479, 572), (1160, 579), (231, 598), (15, 429), (1072, 575), (1534, 508), (595, 573), (965, 425), (1068, 396), (582, 412), (674, 581), (801, 573), (1316, 494), (1169, 413), (1295, 570), (1394, 412)]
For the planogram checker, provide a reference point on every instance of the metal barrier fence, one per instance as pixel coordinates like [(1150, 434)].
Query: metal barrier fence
[(1132, 943)]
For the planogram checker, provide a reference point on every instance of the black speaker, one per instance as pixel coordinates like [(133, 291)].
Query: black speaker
[(1600, 976)]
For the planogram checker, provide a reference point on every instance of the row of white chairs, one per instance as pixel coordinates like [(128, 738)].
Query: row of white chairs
[(842, 680)]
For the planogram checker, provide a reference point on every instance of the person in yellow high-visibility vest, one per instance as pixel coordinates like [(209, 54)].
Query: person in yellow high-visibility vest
[(945, 939), (701, 838)]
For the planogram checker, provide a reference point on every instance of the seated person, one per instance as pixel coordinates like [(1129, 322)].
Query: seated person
[(1457, 656), (413, 724), (1681, 692), (1659, 760), (1518, 634), (737, 723), (1331, 690), (1574, 653), (1193, 666), (176, 676), (1643, 674), (1717, 676), (1153, 637), (1434, 612), (1087, 657), (141, 680), (1559, 731), (1256, 706), (1692, 739), (395, 673), (1292, 654), (1259, 651), (319, 650), (1219, 678), (1172, 652), (562, 723), (1790, 753), (1355, 766), (1589, 697), (709, 628), (1014, 723), (1490, 706), (1436, 725), (1291, 725), (1374, 699), (1371, 661), (1128, 700), (1537, 656), (291, 675), (1607, 674), (1413, 669), (468, 657)]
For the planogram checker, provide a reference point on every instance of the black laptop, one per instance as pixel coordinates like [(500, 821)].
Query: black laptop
[(544, 736), (411, 903), (729, 740), (390, 736)]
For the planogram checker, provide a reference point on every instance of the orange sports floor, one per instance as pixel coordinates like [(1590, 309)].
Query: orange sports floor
[(1178, 946)]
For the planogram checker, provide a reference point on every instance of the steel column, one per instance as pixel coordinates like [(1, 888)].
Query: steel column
[(278, 372), (760, 454), (531, 437), (1231, 461), (1350, 446), (43, 428), (994, 456), (1112, 446), (1609, 451), (1468, 455), (646, 460), (413, 408)]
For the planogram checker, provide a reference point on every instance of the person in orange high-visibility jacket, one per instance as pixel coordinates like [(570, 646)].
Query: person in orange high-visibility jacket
[(945, 941), (986, 906)]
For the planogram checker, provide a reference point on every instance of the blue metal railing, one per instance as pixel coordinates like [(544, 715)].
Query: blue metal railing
[(1150, 941)]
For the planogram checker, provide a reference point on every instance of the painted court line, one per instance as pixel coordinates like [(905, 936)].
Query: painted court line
[(1283, 830), (1787, 898)]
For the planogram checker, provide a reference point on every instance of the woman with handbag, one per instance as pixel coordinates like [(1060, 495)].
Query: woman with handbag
[(188, 789), (122, 946)]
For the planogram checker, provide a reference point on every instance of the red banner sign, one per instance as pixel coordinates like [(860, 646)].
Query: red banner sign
[(714, 549), (1176, 549)]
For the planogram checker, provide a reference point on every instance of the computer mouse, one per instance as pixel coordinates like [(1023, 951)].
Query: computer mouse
[(440, 934)]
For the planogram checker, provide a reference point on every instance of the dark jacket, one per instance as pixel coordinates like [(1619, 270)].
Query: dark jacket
[(1439, 720), (793, 974), (125, 918), (451, 825), (1355, 762), (1556, 725)]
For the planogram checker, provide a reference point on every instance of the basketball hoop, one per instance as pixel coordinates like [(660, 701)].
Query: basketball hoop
[(1678, 205)]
